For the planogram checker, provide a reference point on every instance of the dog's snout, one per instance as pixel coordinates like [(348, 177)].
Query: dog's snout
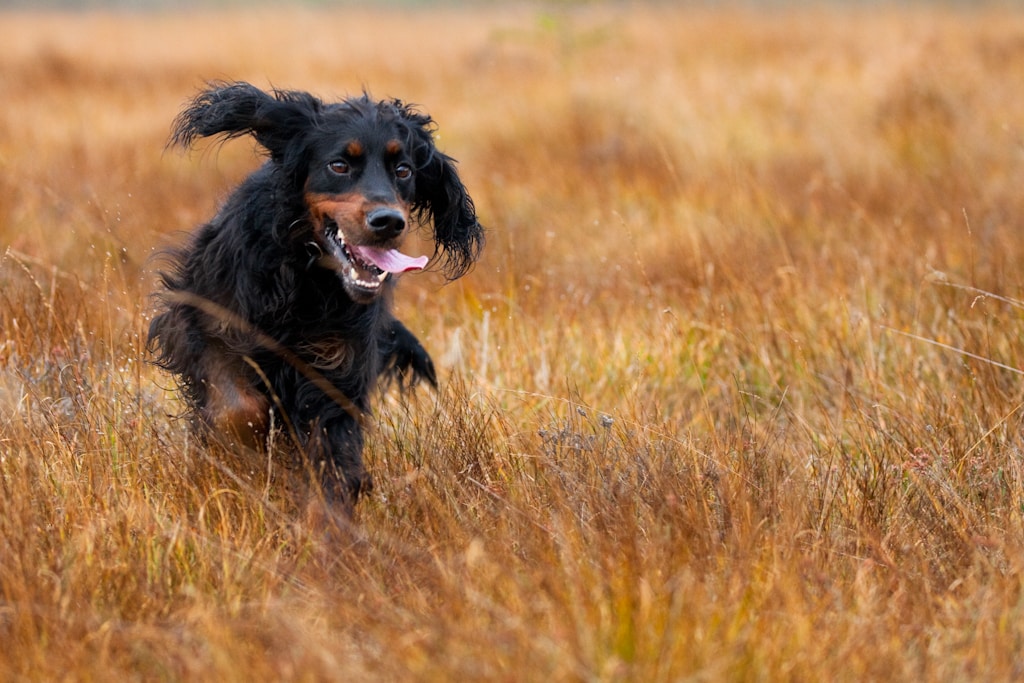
[(386, 223)]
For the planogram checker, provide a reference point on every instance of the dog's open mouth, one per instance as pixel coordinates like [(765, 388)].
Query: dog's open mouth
[(364, 269)]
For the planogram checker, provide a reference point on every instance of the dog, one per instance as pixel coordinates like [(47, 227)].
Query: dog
[(278, 311)]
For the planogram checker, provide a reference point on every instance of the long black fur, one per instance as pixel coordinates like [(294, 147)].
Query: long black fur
[(248, 302)]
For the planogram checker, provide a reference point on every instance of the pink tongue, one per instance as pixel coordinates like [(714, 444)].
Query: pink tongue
[(390, 260)]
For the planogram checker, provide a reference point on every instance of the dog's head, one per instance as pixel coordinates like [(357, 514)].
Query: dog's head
[(364, 170)]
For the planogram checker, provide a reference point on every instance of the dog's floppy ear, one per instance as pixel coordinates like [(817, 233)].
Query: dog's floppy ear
[(442, 198), (235, 109)]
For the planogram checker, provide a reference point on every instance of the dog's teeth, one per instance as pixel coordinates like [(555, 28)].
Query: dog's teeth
[(383, 275), (366, 284)]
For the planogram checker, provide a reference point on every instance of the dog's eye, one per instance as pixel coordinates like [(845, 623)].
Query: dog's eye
[(403, 171), (340, 166)]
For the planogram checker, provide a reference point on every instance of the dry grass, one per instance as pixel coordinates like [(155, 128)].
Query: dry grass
[(735, 393)]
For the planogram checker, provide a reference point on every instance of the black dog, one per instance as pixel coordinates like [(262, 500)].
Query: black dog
[(281, 304)]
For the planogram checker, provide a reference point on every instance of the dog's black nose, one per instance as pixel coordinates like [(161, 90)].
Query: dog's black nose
[(386, 223)]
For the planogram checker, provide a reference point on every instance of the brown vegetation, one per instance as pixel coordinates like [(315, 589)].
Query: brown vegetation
[(735, 393)]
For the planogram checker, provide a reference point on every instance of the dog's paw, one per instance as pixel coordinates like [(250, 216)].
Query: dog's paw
[(359, 484), (342, 490), (409, 362)]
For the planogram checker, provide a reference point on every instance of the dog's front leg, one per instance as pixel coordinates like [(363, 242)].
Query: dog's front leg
[(335, 450), (405, 359)]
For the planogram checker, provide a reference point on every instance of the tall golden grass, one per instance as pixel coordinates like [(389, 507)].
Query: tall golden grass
[(734, 394)]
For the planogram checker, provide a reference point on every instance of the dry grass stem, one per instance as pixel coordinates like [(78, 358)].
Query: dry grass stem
[(734, 393)]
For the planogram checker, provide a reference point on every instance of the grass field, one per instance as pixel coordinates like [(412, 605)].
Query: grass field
[(734, 394)]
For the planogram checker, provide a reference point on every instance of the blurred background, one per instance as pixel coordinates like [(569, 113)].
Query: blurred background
[(734, 392)]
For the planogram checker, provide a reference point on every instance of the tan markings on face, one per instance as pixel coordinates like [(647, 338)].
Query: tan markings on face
[(393, 147), (347, 210), (354, 149)]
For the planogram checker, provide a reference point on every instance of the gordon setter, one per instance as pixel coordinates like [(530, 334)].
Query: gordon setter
[(281, 304)]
